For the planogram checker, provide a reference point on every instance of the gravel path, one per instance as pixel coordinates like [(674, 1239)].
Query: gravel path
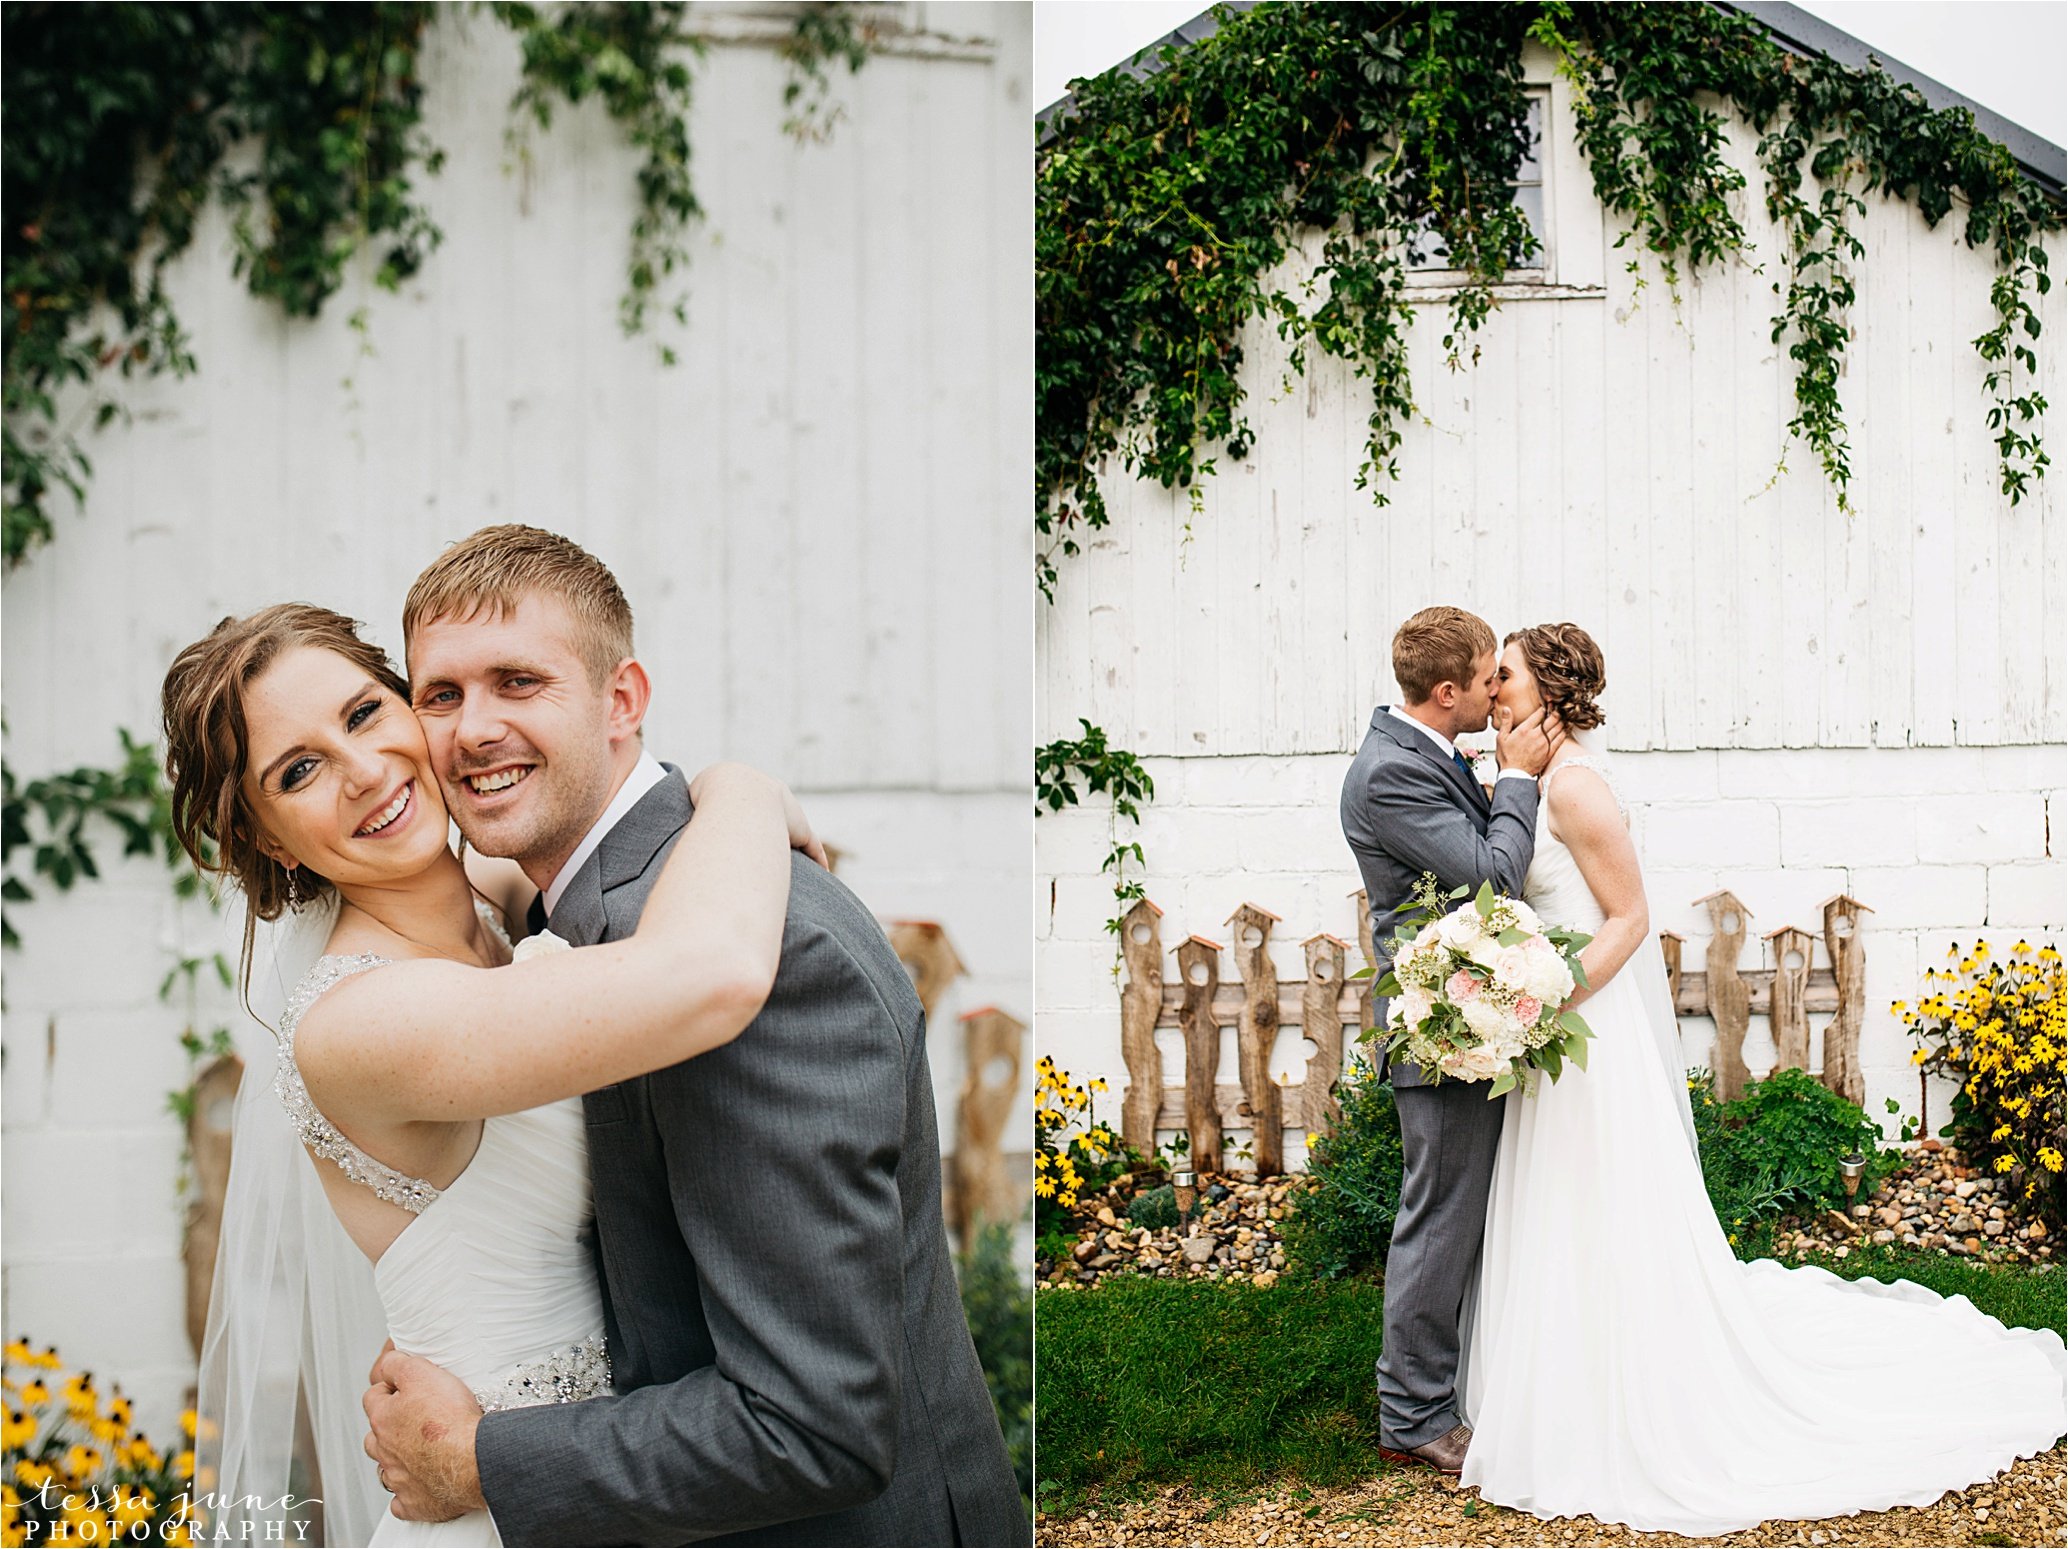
[(2024, 1505)]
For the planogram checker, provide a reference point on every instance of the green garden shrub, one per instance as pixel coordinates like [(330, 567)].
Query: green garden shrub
[(1343, 1222)]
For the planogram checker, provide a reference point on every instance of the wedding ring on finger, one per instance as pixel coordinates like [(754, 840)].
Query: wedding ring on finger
[(381, 1473)]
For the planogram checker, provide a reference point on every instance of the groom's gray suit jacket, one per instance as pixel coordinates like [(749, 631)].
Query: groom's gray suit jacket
[(1406, 810), (790, 1352)]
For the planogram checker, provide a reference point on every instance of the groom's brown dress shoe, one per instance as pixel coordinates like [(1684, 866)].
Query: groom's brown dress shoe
[(1446, 1454)]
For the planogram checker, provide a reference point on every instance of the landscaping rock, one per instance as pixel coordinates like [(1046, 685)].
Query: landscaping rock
[(1932, 1203), (1236, 1234)]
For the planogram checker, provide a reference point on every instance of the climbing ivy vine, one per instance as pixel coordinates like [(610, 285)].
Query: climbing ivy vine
[(1165, 204), (306, 121), (1105, 771)]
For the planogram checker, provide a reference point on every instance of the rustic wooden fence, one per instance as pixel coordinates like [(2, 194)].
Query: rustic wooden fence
[(1203, 1004), (980, 1182)]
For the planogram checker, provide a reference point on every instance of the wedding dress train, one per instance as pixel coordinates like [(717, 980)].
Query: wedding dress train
[(1623, 1363)]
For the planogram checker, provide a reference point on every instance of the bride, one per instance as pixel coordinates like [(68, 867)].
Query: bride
[(1621, 1361), (434, 1084)]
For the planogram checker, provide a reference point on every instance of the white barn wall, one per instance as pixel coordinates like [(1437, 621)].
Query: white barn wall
[(817, 516), (1610, 459), (1801, 701)]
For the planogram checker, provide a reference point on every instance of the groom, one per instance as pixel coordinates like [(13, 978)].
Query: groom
[(789, 1349), (1411, 805)]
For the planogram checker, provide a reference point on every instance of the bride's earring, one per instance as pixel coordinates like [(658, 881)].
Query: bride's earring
[(294, 887)]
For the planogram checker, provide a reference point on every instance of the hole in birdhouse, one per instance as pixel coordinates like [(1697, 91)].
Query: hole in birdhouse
[(1196, 973), (1309, 1048), (1792, 961), (912, 972), (221, 1113), (1728, 924), (1842, 926), (1324, 969), (998, 1071), (1251, 936), (1138, 933)]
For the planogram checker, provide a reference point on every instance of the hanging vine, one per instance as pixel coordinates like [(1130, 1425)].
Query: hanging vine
[(1165, 202), (119, 127), (1105, 771)]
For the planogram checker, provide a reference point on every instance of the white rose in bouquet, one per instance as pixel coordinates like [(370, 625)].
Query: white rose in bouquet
[(1485, 1019), (1412, 1008), (1512, 966), (1547, 977), (544, 944), (1461, 931), (1480, 1064)]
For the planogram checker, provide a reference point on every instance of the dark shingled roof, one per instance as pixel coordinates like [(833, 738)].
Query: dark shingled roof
[(1790, 26)]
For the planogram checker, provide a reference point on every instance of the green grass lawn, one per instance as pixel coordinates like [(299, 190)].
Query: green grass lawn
[(1143, 1382)]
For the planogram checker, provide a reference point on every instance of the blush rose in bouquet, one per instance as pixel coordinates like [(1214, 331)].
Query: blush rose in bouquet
[(1478, 992)]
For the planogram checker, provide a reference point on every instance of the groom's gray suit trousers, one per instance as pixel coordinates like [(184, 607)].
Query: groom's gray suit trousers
[(1448, 1137), (1408, 810), (790, 1354)]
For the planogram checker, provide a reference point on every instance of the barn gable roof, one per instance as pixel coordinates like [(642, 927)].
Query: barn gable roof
[(1793, 28)]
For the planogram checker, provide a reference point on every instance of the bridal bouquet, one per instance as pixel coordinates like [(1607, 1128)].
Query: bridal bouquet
[(1478, 992)]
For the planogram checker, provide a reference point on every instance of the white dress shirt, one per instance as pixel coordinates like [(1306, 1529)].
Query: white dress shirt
[(645, 775), (1450, 749)]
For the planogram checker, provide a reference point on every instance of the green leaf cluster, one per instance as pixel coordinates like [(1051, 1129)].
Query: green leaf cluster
[(47, 825), (1000, 1311), (1778, 1147), (1341, 1225), (1105, 771), (629, 58), (118, 127), (824, 34), (1166, 202)]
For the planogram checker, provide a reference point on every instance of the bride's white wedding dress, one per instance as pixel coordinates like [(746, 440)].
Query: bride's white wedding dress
[(494, 1279), (1623, 1363)]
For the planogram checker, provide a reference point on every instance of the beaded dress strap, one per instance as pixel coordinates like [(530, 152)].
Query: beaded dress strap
[(317, 1132), (1587, 761), (493, 921)]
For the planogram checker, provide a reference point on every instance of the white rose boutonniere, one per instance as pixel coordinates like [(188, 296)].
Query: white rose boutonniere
[(541, 945)]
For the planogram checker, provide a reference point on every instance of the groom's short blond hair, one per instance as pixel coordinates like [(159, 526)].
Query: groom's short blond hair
[(1438, 645), (488, 571)]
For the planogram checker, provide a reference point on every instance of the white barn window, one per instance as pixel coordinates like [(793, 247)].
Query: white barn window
[(1428, 258)]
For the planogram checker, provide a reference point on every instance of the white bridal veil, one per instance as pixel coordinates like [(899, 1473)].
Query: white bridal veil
[(293, 1320)]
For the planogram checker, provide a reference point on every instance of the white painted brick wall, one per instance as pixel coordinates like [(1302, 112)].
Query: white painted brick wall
[(2033, 891), (1942, 844)]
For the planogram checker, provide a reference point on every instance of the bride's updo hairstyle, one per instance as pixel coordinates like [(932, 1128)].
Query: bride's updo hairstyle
[(208, 748), (1567, 665)]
